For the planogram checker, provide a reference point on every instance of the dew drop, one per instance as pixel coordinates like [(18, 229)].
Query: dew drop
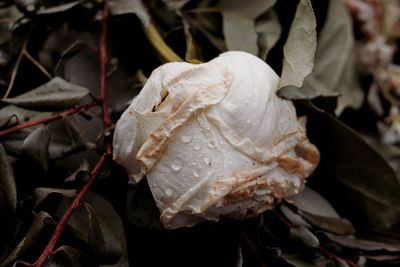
[(168, 192), (248, 121), (196, 174), (186, 139), (197, 147), (207, 161), (230, 162), (176, 166)]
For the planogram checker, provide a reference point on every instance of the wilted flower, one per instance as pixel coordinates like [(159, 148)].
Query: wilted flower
[(214, 140)]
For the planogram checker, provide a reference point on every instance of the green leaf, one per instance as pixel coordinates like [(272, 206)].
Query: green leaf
[(300, 46), (103, 243), (334, 70), (36, 146), (368, 188), (57, 94), (239, 23)]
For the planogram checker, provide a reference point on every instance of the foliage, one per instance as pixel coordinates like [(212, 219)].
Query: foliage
[(68, 69)]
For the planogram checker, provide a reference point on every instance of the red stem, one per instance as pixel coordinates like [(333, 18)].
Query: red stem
[(67, 215), (107, 145), (47, 119), (103, 66)]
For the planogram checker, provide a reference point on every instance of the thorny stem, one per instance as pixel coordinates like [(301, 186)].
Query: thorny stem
[(102, 100), (54, 117), (321, 249)]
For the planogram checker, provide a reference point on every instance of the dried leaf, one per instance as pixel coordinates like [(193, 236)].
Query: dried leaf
[(268, 29), (71, 257), (334, 70), (363, 244), (8, 197), (193, 52), (65, 138), (300, 46), (41, 193), (330, 224), (239, 23), (57, 94), (369, 189), (103, 243), (304, 236), (37, 231), (121, 7), (36, 146)]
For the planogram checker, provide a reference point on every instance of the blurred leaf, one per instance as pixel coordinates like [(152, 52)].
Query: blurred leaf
[(300, 46), (57, 94), (193, 52), (121, 7), (13, 143), (239, 23), (336, 262), (37, 231), (298, 261), (103, 243), (36, 146), (364, 245), (369, 190), (67, 256), (334, 70), (59, 8), (330, 224), (268, 29), (304, 236)]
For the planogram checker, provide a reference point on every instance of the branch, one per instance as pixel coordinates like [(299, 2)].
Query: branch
[(47, 119)]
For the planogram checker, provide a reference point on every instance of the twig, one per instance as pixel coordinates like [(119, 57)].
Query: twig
[(47, 119), (16, 68), (67, 215), (37, 64)]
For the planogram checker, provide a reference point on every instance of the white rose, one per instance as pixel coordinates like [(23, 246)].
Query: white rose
[(214, 140)]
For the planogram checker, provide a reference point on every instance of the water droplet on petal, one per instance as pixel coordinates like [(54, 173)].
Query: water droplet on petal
[(176, 166), (197, 146), (248, 121), (207, 161), (196, 174), (186, 139), (168, 192), (230, 161)]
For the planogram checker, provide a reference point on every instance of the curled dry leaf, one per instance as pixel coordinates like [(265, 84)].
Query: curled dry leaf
[(214, 140)]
